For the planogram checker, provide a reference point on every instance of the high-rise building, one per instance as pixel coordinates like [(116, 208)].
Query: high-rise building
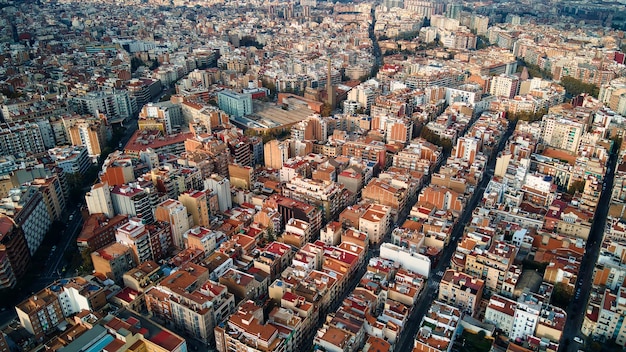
[(148, 242), (135, 200), (393, 3), (399, 130), (53, 195), (117, 106), (560, 132), (29, 211), (504, 86), (276, 153), (467, 148), (319, 127), (174, 213), (17, 138), (221, 187), (98, 200), (327, 195), (365, 94), (144, 89), (241, 151), (90, 132), (453, 10), (14, 254), (480, 24), (424, 8), (73, 160), (197, 205), (117, 171)]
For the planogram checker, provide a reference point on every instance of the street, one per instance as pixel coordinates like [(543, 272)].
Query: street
[(50, 269), (57, 256), (577, 306), (405, 343)]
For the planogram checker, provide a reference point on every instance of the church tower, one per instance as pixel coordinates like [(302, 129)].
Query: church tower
[(330, 89)]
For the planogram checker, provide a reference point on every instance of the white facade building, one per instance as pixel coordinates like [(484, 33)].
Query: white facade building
[(415, 262)]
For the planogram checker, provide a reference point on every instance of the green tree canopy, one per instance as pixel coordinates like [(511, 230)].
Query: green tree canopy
[(575, 87)]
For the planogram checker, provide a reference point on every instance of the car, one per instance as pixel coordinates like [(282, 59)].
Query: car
[(578, 340)]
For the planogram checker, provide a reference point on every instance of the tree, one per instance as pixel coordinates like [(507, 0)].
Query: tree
[(562, 295), (433, 138), (533, 265), (326, 110), (364, 78), (135, 63), (576, 87), (576, 186), (154, 64), (527, 115), (87, 264), (271, 237), (617, 142), (533, 70), (269, 85)]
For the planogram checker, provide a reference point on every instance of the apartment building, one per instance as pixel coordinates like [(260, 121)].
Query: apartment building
[(143, 276), (504, 86), (221, 187), (148, 242), (383, 192), (290, 208), (275, 153), (114, 260), (190, 301), (243, 285), (175, 214), (438, 328), (461, 290), (14, 253), (413, 261), (99, 231), (135, 199), (17, 138), (40, 314), (26, 207), (247, 330), (117, 105), (375, 222), (493, 266), (90, 132), (73, 160), (165, 116), (53, 195), (196, 203), (562, 132), (526, 316), (442, 198), (297, 233), (118, 169), (326, 194)]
